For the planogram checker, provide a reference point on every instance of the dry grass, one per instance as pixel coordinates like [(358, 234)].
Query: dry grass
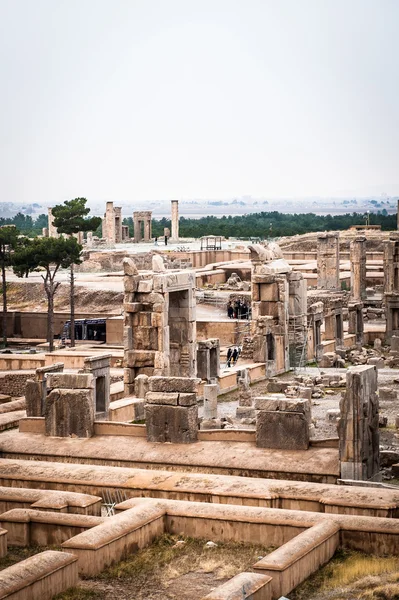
[(353, 576)]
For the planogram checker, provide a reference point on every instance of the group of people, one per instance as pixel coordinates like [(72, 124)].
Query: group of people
[(238, 309), (233, 354)]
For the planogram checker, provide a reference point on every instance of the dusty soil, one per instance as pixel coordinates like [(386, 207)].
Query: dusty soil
[(33, 298), (166, 571)]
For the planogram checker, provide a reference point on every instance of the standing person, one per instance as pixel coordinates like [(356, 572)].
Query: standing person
[(166, 240), (230, 311), (234, 356), (229, 355), (156, 242)]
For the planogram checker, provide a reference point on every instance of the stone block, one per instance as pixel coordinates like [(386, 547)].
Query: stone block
[(162, 398), (175, 424), (69, 413), (282, 430), (388, 394), (268, 403), (245, 412), (187, 399), (129, 267), (145, 286), (211, 424), (69, 381), (132, 307), (140, 386), (173, 384), (34, 395), (139, 358)]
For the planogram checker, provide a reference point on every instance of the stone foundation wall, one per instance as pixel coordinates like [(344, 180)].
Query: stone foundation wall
[(14, 384)]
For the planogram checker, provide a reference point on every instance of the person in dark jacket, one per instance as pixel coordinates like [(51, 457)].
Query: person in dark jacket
[(234, 356), (229, 355)]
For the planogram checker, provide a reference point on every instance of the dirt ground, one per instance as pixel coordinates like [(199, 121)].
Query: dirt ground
[(171, 568)]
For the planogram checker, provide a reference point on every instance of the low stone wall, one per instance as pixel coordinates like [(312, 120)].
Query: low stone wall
[(21, 362), (55, 501), (29, 527), (19, 404), (13, 384), (220, 489), (40, 576), (116, 538), (300, 557), (244, 586)]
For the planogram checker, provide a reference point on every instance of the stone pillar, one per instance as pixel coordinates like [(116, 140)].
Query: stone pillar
[(358, 268), (175, 220), (100, 368), (359, 449), (245, 409), (108, 227), (211, 401), (147, 229), (328, 261), (125, 233), (118, 224), (208, 359), (297, 323), (52, 230), (89, 239), (316, 317), (69, 407), (171, 410), (356, 323), (36, 390)]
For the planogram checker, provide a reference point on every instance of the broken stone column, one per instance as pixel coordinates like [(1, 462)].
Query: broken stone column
[(211, 401), (52, 230), (328, 261), (108, 225), (36, 390), (89, 239), (359, 440), (297, 321), (208, 359), (100, 368), (316, 318), (171, 410), (356, 323), (358, 268), (125, 233), (245, 408), (69, 406), (118, 224), (282, 423), (175, 221)]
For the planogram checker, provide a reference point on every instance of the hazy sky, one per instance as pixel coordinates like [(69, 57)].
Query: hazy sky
[(131, 100)]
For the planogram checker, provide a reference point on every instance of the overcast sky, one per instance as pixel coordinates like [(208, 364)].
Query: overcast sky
[(131, 100)]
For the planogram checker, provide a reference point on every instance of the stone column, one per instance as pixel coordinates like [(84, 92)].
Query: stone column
[(210, 401), (118, 224), (356, 323), (136, 227), (359, 449), (175, 220), (358, 268), (328, 261), (108, 228), (147, 229), (52, 230), (89, 239)]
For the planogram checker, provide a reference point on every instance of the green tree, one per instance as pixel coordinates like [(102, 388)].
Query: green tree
[(69, 219), (8, 244), (49, 255)]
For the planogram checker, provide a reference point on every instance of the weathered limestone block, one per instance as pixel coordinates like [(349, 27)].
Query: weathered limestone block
[(211, 401), (129, 267), (173, 384), (282, 430), (69, 412), (140, 386), (162, 398), (175, 424), (70, 381), (359, 448), (139, 358), (389, 394), (34, 398)]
